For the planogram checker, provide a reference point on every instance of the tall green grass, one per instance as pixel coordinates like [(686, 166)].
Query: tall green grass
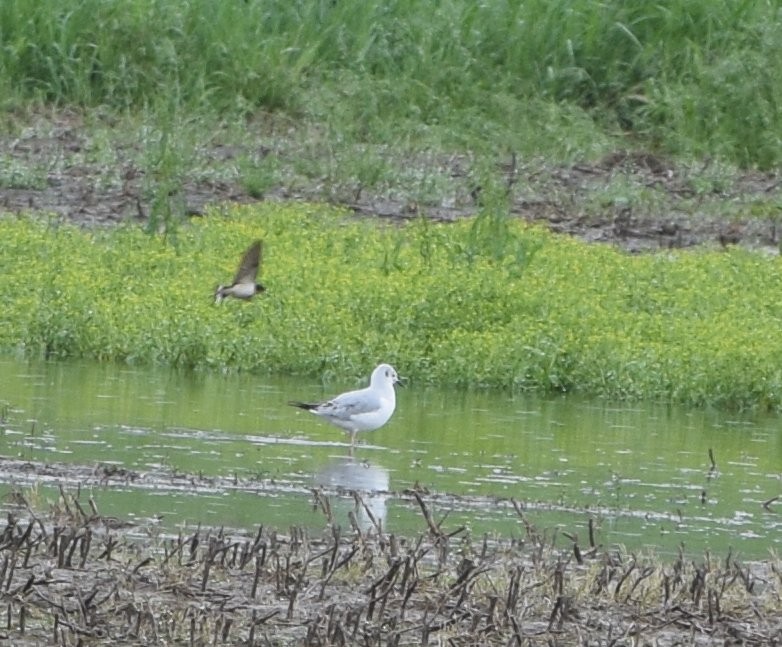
[(691, 77), (484, 303)]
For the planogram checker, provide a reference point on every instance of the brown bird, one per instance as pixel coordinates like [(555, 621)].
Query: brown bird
[(244, 285)]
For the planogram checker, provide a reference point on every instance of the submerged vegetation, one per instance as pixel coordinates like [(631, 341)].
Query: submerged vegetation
[(484, 302)]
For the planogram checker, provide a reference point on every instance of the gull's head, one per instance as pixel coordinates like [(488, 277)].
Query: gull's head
[(385, 374)]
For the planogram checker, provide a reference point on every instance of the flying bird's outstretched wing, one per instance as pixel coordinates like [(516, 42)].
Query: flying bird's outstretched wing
[(251, 261)]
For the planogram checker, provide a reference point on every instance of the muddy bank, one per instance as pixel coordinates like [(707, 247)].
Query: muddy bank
[(69, 575), (635, 200)]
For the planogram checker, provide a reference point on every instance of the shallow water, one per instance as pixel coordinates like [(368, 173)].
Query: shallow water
[(641, 472)]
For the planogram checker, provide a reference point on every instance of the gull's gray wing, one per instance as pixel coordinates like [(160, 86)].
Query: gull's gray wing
[(353, 403)]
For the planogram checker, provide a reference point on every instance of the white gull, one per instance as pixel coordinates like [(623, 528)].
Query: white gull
[(363, 410)]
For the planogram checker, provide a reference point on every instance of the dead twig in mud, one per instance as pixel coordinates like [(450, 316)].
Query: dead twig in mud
[(368, 511), (592, 533), (532, 533), (334, 565), (322, 501), (434, 528), (381, 588)]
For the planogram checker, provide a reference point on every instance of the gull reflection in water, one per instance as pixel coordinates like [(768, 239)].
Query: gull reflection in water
[(368, 480)]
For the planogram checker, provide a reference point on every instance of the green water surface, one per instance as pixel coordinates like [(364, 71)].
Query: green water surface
[(641, 472)]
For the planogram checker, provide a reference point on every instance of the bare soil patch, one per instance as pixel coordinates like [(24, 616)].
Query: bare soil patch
[(635, 200)]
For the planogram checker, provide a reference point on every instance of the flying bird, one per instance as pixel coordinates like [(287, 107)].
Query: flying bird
[(363, 410), (244, 285)]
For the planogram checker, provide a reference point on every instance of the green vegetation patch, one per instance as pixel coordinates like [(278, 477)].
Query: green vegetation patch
[(486, 302)]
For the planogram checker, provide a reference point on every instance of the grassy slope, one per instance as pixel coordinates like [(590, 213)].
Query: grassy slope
[(487, 302), (555, 77)]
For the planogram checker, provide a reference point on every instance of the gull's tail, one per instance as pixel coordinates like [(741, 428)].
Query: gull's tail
[(303, 405)]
